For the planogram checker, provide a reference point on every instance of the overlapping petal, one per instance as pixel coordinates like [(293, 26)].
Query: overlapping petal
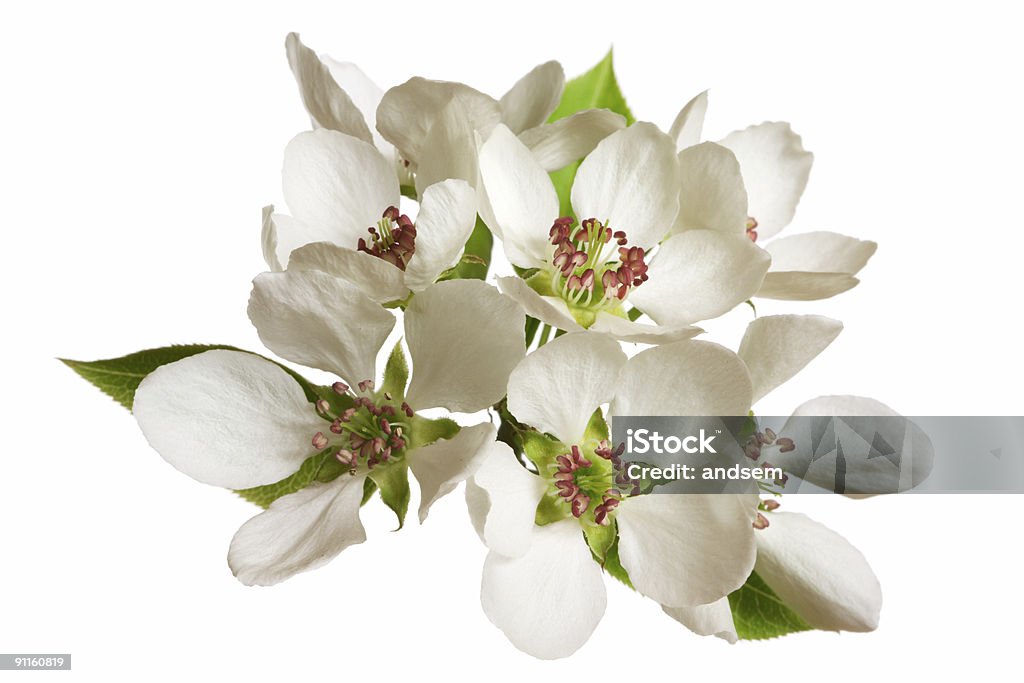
[(464, 338), (226, 418), (444, 464)]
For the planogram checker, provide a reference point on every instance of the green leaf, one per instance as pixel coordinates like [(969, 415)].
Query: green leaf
[(396, 373), (476, 257), (596, 89), (759, 613), (424, 431), (322, 467), (120, 377), (393, 482)]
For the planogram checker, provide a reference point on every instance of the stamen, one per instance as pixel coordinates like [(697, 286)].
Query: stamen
[(752, 228), (393, 239)]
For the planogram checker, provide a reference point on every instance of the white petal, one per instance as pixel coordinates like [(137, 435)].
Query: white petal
[(865, 426), (442, 465), (630, 180), (776, 347), (408, 111), (688, 378), (687, 549), (268, 240), (298, 532), (820, 252), (445, 221), (564, 141), (547, 309), (558, 387), (365, 95), (689, 123), (531, 100), (818, 574), (283, 234), (548, 601), (321, 321), (641, 333), (376, 278), (503, 497), (337, 185), (795, 285), (700, 274), (227, 418), (464, 338), (711, 195), (522, 199), (328, 105), (775, 169), (713, 619), (448, 150)]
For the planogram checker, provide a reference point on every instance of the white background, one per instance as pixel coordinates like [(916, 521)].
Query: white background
[(138, 145)]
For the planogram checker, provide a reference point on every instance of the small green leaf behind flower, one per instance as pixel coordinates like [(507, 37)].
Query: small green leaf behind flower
[(758, 613)]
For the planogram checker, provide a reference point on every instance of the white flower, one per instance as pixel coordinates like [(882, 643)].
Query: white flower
[(774, 168), (626, 197), (541, 585), (235, 420), (814, 571), (345, 221), (427, 128)]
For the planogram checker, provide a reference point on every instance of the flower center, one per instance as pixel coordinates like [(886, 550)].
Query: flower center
[(369, 433), (392, 239), (595, 486), (586, 271)]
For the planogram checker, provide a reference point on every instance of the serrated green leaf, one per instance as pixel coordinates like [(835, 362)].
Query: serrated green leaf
[(596, 89), (759, 613), (322, 467), (424, 431), (120, 377), (396, 373), (393, 482)]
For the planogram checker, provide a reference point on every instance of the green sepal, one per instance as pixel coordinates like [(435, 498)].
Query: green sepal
[(613, 565), (322, 467), (396, 373), (551, 508), (476, 256), (393, 481), (532, 325), (601, 539), (424, 431), (597, 428), (120, 377), (759, 613), (542, 449), (369, 488), (408, 191), (634, 313), (596, 89)]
